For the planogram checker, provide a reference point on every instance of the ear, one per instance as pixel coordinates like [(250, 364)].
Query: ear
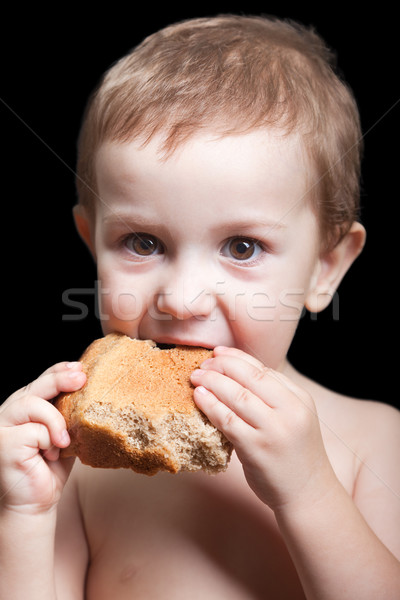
[(84, 226), (332, 267)]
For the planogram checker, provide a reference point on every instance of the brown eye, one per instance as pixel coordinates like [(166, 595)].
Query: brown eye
[(143, 244), (242, 248)]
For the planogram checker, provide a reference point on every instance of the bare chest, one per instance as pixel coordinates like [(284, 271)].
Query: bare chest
[(193, 535), (187, 536)]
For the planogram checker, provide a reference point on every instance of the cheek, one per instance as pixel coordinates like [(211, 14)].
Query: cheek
[(122, 306), (264, 321), (121, 303), (284, 306), (279, 300)]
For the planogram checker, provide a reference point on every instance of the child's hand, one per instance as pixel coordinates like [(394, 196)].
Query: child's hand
[(272, 423), (32, 431)]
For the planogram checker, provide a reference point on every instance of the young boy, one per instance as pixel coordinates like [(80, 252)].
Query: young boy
[(218, 189)]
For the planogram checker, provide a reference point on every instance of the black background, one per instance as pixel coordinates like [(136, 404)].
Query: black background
[(52, 59)]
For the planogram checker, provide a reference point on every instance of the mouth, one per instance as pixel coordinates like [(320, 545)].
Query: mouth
[(165, 346), (168, 344)]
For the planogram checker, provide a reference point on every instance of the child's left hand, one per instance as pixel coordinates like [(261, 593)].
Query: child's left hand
[(273, 425)]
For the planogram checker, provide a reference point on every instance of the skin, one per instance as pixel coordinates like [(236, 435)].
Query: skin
[(217, 246)]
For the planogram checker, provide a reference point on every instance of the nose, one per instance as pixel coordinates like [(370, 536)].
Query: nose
[(186, 292)]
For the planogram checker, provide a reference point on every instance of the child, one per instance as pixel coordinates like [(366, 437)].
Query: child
[(218, 193)]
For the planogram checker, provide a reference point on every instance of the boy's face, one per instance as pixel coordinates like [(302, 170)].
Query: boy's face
[(216, 245)]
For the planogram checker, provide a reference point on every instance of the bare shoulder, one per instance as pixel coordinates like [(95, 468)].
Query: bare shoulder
[(367, 421), (366, 435), (371, 431), (379, 418), (370, 427), (378, 439), (371, 416), (375, 424), (377, 487)]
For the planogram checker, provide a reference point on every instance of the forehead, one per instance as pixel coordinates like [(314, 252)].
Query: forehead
[(265, 162)]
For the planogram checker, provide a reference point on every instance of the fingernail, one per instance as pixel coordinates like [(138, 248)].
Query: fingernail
[(197, 372), (64, 438), (206, 363), (201, 390), (73, 365)]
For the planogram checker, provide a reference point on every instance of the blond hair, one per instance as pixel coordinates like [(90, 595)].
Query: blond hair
[(234, 74)]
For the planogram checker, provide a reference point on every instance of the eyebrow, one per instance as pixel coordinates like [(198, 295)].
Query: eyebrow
[(253, 224), (124, 217), (129, 218)]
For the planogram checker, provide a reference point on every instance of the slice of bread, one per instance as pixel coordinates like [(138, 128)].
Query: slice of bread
[(136, 410)]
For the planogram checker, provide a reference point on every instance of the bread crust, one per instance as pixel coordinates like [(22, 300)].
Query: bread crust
[(137, 411)]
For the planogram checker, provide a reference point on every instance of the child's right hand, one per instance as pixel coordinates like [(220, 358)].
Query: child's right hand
[(32, 431)]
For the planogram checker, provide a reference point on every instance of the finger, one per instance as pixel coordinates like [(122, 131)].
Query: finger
[(223, 350), (51, 383), (52, 454), (31, 409), (272, 386), (31, 436), (63, 366), (246, 405), (36, 385), (221, 416), (258, 379)]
